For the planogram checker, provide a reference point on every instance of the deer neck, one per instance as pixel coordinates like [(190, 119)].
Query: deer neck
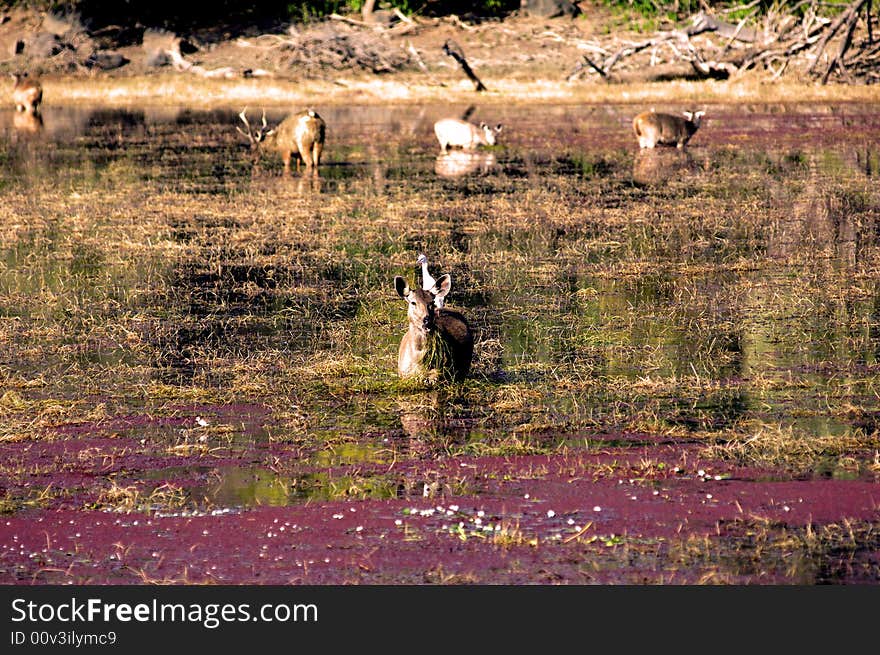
[(420, 340)]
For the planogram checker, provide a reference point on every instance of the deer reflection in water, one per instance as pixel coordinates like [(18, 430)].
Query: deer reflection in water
[(26, 123), (460, 163), (651, 167), (429, 426)]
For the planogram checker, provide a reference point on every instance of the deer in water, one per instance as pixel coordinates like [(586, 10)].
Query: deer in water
[(438, 342), (300, 135), (653, 129), (27, 94), (462, 134)]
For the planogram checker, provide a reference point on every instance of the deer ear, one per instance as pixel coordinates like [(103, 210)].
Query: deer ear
[(441, 287), (401, 286), (699, 114)]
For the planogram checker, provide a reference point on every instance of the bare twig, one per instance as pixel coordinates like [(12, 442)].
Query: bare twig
[(582, 64)]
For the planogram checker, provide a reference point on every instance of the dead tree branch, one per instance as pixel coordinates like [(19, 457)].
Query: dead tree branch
[(794, 40), (836, 24), (853, 18), (454, 50)]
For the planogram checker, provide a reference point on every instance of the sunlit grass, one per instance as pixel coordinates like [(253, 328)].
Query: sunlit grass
[(739, 293), (507, 85)]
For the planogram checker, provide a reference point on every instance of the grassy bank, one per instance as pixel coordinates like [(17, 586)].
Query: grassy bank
[(184, 90)]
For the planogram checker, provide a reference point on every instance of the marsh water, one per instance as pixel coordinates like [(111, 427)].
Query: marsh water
[(159, 286)]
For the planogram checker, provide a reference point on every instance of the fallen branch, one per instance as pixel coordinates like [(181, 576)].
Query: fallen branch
[(836, 24), (581, 65), (847, 39), (182, 65), (418, 59), (634, 48), (452, 49), (792, 41), (703, 22)]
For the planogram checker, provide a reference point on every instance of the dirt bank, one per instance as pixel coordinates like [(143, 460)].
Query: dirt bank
[(521, 58)]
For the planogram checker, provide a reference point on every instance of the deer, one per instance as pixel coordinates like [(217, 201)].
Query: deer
[(463, 134), (27, 94), (438, 343), (653, 128), (300, 135)]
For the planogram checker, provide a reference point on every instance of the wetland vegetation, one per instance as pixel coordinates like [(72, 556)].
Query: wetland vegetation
[(186, 333)]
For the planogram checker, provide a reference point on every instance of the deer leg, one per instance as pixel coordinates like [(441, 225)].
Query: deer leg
[(286, 156)]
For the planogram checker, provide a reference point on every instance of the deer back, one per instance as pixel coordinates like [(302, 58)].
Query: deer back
[(653, 128), (462, 134), (300, 132)]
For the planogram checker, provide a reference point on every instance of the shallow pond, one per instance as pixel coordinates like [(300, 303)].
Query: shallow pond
[(185, 329)]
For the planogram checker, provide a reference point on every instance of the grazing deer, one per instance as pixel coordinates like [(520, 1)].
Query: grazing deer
[(462, 134), (27, 94), (300, 135), (653, 129), (438, 342)]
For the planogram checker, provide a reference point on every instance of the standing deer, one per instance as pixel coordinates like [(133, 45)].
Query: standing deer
[(27, 94), (462, 134), (653, 129), (300, 135), (438, 342)]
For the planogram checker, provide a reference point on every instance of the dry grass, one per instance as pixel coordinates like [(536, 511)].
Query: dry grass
[(409, 88), (706, 305), (131, 498)]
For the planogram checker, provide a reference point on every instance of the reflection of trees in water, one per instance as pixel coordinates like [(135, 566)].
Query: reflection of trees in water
[(815, 315), (833, 214)]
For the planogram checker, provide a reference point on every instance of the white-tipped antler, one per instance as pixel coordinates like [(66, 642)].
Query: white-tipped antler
[(243, 117), (251, 136)]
